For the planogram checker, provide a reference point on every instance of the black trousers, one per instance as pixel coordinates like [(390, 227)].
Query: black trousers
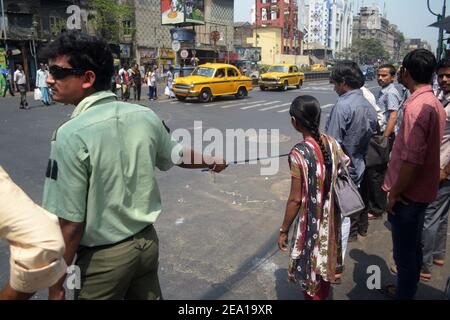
[(9, 88)]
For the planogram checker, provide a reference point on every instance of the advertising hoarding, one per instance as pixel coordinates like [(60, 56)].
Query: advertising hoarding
[(176, 12)]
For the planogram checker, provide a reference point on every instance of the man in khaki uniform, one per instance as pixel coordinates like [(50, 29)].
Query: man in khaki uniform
[(100, 179), (36, 242)]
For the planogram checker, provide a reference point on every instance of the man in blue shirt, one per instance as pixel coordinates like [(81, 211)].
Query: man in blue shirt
[(352, 122)]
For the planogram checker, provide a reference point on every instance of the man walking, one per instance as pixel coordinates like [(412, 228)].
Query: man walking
[(41, 83), (412, 179), (20, 85), (100, 180), (8, 82), (434, 237)]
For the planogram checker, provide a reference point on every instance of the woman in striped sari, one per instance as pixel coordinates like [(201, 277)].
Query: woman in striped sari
[(315, 249)]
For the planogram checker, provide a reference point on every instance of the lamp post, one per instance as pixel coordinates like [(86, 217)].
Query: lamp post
[(441, 30)]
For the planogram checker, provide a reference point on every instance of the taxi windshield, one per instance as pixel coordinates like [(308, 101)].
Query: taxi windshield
[(278, 69), (205, 72)]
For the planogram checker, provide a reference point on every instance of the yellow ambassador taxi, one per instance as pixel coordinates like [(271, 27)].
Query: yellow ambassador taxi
[(281, 76), (212, 80)]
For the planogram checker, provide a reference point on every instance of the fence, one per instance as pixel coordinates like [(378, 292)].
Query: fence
[(316, 76)]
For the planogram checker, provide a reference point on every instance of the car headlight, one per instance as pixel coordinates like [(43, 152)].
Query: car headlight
[(278, 79), (192, 85)]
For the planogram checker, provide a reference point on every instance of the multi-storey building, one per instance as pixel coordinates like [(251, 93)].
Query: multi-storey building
[(329, 23), (371, 24), (281, 14)]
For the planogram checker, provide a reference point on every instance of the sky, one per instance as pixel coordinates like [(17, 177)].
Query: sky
[(411, 16)]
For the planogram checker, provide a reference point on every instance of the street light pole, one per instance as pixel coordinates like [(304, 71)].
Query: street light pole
[(4, 24), (441, 30)]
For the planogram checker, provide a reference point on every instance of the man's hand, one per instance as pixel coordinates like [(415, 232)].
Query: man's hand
[(56, 292), (283, 242), (392, 200), (219, 167)]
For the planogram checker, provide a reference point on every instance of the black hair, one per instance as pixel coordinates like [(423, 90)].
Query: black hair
[(84, 52), (444, 63), (391, 68), (421, 65), (349, 72), (306, 110)]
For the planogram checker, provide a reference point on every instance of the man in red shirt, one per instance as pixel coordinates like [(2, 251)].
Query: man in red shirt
[(412, 179)]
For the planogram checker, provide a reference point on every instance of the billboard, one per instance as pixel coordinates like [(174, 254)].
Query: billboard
[(252, 54), (175, 12)]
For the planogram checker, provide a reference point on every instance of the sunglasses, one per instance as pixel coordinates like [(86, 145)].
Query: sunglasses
[(60, 73)]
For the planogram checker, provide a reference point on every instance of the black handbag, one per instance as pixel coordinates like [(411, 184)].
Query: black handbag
[(379, 151)]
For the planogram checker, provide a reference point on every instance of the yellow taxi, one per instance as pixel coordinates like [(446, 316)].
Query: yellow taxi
[(281, 76), (318, 67), (212, 80)]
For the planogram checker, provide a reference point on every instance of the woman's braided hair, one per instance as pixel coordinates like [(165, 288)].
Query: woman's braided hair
[(306, 110)]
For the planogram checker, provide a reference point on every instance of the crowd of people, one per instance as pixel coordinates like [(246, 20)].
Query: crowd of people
[(100, 181)]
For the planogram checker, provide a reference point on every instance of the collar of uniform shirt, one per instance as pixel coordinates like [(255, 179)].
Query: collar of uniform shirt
[(88, 102)]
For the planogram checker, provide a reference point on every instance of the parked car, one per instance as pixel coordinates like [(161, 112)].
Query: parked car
[(281, 76), (211, 80)]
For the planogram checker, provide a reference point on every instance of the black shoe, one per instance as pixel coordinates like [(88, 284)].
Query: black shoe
[(362, 233), (352, 239)]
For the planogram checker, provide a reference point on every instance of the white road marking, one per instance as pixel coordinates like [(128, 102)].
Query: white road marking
[(284, 110), (259, 105), (323, 107), (274, 107), (242, 104), (222, 103)]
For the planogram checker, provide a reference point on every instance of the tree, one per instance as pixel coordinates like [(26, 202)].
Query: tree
[(368, 51), (108, 18)]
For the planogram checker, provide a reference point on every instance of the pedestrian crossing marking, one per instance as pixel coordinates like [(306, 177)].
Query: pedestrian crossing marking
[(242, 104), (274, 107), (259, 105)]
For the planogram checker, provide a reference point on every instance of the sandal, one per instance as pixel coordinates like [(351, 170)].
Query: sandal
[(425, 276), (389, 291), (439, 262), (337, 279)]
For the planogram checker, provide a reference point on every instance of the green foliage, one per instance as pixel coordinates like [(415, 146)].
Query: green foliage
[(107, 18), (365, 51)]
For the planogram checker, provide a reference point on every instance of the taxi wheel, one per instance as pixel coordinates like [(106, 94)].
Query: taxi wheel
[(181, 98), (300, 83), (263, 88), (205, 95), (242, 93), (285, 86)]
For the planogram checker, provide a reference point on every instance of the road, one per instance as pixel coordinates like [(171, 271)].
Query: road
[(217, 234)]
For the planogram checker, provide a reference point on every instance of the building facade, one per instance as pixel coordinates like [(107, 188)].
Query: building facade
[(371, 24), (281, 14), (329, 23)]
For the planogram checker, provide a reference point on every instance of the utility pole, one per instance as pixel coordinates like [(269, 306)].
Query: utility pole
[(4, 24), (256, 23), (440, 48)]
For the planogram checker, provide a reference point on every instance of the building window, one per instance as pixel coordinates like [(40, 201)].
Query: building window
[(274, 15), (56, 24), (126, 27), (264, 14)]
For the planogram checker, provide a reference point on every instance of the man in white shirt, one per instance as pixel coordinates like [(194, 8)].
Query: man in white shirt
[(20, 85), (41, 83)]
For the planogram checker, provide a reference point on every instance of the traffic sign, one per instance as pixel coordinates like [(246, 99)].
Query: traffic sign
[(176, 45), (184, 54)]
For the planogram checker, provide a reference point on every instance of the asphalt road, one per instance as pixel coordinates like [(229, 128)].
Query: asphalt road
[(217, 234)]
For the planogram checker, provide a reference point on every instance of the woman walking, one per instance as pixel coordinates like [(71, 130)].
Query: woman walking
[(315, 249)]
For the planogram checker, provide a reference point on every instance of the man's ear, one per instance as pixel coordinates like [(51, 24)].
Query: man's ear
[(294, 122), (89, 79)]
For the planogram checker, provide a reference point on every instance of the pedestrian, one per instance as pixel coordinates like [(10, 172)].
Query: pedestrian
[(170, 82), (151, 81), (8, 82), (157, 76), (101, 179), (137, 81), (316, 247), (352, 122), (20, 85), (131, 87), (124, 83), (389, 102), (41, 83), (434, 237), (412, 179), (35, 240)]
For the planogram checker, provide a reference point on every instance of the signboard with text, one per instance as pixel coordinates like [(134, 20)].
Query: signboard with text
[(182, 12)]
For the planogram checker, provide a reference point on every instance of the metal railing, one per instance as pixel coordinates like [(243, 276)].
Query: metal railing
[(316, 76)]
